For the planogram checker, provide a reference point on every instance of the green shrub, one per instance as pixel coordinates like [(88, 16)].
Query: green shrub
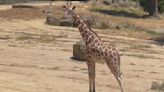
[(161, 5)]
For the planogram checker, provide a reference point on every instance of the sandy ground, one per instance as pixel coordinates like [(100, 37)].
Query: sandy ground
[(35, 57)]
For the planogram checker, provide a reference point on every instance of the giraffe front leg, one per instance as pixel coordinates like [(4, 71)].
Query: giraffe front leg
[(91, 74)]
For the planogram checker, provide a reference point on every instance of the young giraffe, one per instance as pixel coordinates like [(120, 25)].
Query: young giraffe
[(96, 48)]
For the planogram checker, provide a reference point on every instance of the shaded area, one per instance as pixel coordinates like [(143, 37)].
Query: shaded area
[(160, 39), (119, 13)]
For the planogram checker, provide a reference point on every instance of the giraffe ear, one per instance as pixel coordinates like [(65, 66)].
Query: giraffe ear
[(74, 7)]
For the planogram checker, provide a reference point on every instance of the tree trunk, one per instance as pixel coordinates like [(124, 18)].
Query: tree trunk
[(153, 8)]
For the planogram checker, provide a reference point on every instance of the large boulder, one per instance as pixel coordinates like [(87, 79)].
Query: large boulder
[(79, 51), (106, 2), (51, 20), (22, 6), (66, 22)]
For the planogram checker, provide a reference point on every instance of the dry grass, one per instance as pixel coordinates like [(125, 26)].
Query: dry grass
[(29, 13), (128, 22), (117, 20)]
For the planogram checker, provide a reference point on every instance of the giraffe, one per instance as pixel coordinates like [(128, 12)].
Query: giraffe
[(95, 47)]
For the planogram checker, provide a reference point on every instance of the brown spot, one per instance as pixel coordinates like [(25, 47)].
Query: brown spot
[(93, 50), (92, 45), (106, 49), (89, 40), (96, 41), (110, 56), (86, 37), (109, 52), (88, 53), (114, 53), (102, 53), (89, 33), (92, 38), (115, 63), (113, 49), (86, 32), (106, 54), (96, 47), (115, 59), (109, 47), (97, 51), (80, 29), (83, 34), (103, 46), (108, 63)]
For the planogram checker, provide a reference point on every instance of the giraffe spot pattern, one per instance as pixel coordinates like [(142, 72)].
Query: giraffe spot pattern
[(92, 45), (115, 53), (96, 40), (96, 47)]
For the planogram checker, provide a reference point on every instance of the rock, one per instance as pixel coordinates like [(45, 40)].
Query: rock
[(154, 85), (79, 50), (106, 2), (22, 6), (59, 22), (66, 22), (52, 21), (46, 11)]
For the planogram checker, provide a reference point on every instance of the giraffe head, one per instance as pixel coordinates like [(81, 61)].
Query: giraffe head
[(70, 11)]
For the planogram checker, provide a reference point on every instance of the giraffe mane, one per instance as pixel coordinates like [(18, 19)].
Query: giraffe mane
[(89, 27)]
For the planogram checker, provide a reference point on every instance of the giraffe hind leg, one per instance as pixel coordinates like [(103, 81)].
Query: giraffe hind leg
[(120, 82), (117, 74), (115, 69)]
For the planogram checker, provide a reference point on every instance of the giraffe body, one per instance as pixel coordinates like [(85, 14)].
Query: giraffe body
[(96, 48)]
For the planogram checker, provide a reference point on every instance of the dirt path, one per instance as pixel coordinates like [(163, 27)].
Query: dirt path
[(35, 57)]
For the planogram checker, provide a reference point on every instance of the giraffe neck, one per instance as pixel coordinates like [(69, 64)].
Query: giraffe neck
[(87, 33)]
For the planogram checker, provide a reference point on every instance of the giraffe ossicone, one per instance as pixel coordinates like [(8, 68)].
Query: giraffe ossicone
[(96, 48)]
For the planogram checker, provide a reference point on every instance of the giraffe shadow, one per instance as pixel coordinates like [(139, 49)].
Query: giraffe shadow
[(160, 39), (77, 59)]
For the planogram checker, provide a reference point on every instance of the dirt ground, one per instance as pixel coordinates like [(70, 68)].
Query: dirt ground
[(35, 57)]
